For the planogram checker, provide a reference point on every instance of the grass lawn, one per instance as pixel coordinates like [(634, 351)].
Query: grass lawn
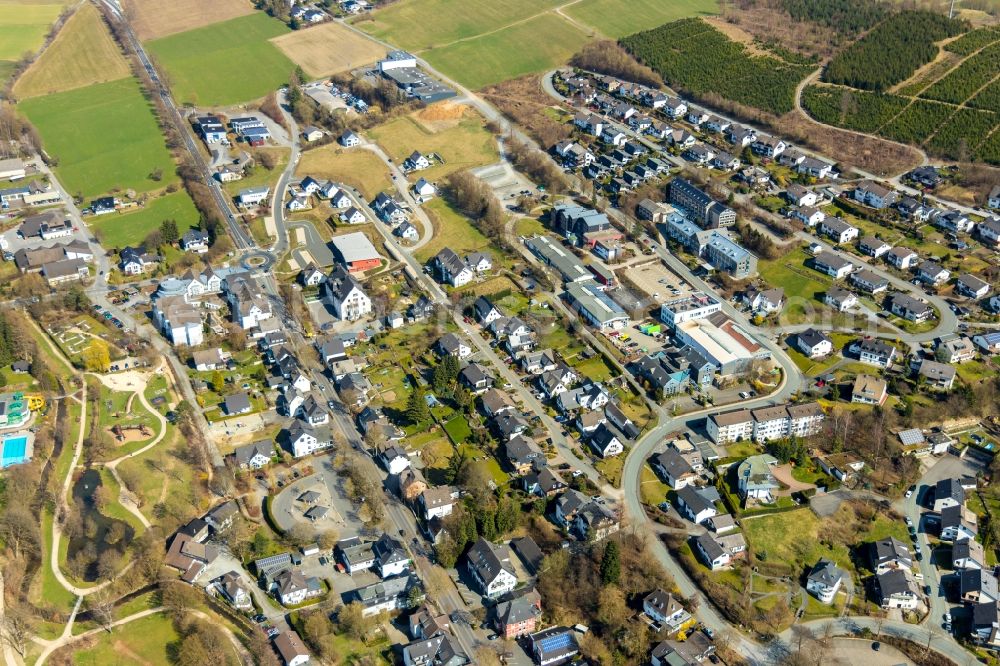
[(617, 18), (82, 54), (178, 484), (462, 145), (815, 609), (792, 538), (811, 366), (104, 136), (595, 368), (50, 591), (114, 509), (451, 229), (972, 372), (23, 27), (421, 24), (791, 273), (458, 429), (651, 489), (501, 55), (117, 231), (742, 449), (209, 66), (146, 641), (258, 175), (611, 469), (529, 226), (359, 168)]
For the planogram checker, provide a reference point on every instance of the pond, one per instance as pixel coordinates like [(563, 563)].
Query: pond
[(96, 543)]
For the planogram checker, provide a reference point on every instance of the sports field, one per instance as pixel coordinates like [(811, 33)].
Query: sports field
[(356, 167), (422, 24), (617, 18), (535, 45), (154, 18), (103, 136), (225, 63), (462, 142), (117, 231), (328, 49), (23, 26), (83, 53)]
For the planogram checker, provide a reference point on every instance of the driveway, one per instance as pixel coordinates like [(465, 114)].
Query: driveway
[(318, 249), (783, 473)]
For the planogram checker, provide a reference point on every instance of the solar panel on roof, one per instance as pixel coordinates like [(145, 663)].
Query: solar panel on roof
[(911, 436), (557, 642)]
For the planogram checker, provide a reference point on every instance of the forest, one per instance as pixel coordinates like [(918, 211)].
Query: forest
[(699, 60), (965, 130), (892, 51), (962, 83), (847, 17), (852, 109), (974, 40), (988, 99)]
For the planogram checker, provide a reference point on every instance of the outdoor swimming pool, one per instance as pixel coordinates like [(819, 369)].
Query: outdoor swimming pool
[(15, 450)]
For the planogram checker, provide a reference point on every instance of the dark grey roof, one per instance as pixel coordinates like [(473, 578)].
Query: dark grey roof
[(949, 488), (978, 580), (711, 548), (826, 573), (893, 582)]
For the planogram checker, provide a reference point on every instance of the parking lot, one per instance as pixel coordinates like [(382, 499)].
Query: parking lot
[(657, 281), (288, 511)]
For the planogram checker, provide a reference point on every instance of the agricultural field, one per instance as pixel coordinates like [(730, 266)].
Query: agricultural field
[(454, 132), (616, 18), (208, 66), (121, 147), (23, 26), (501, 55), (119, 230), (358, 168), (328, 49), (678, 51), (153, 18), (81, 55), (892, 51), (423, 24)]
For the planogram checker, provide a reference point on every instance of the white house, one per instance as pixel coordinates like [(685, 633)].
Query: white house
[(813, 343), (824, 580), (662, 607), (345, 294), (490, 566)]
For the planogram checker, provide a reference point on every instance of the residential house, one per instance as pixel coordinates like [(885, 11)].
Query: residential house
[(661, 607), (838, 230), (873, 351), (971, 286), (438, 502), (840, 299), (476, 378), (490, 566), (977, 586), (254, 455), (518, 616), (968, 554), (988, 342), (304, 439), (874, 195), (673, 469), (756, 482), (813, 343), (710, 552), (231, 586), (345, 294), (873, 247), (832, 264), (948, 493), (694, 505), (439, 650), (594, 521), (291, 648), (800, 196), (932, 273), (869, 390), (940, 376), (910, 308), (824, 580), (605, 441), (890, 553), (291, 587), (896, 590), (869, 281), (958, 523), (452, 345), (902, 258)]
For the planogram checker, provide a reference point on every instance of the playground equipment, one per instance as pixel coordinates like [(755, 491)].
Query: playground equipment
[(119, 430), (36, 402)]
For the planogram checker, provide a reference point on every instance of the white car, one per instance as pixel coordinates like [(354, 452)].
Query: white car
[(744, 395), (909, 493)]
